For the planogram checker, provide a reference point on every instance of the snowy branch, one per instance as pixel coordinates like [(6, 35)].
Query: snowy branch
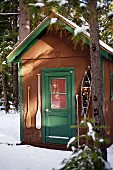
[(9, 13)]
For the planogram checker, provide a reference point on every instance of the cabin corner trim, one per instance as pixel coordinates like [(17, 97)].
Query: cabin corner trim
[(20, 92)]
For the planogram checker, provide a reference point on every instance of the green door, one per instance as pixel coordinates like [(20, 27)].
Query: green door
[(58, 105)]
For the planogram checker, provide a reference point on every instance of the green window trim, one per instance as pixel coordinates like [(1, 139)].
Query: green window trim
[(111, 85)]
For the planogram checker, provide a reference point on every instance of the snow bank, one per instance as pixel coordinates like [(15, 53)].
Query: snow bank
[(110, 155), (25, 157)]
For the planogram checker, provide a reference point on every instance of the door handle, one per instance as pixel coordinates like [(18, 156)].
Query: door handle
[(47, 110)]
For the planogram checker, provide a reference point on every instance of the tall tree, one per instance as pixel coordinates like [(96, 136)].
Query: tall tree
[(96, 70), (6, 45), (4, 83), (15, 66), (106, 23), (9, 22), (24, 20)]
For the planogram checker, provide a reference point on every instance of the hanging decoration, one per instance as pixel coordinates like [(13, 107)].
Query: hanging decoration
[(86, 92), (28, 116), (38, 114)]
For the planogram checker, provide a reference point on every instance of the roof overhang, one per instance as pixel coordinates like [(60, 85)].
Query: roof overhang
[(15, 55)]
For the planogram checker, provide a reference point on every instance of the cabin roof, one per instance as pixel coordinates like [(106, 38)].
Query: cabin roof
[(15, 55)]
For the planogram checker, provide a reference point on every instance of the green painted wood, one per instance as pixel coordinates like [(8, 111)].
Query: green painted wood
[(58, 73), (73, 101), (49, 70), (43, 107), (30, 45), (87, 41), (16, 60), (56, 123), (68, 28), (57, 120), (102, 51), (20, 91), (32, 40)]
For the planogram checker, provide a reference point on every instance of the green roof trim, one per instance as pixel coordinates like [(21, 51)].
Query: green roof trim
[(29, 46), (102, 51), (20, 91), (17, 59), (19, 50), (68, 28), (36, 34)]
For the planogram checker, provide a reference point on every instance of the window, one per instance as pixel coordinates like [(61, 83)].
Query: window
[(111, 85), (58, 93)]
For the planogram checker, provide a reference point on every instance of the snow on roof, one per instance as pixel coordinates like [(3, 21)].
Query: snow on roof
[(40, 4), (25, 39), (53, 20), (110, 13), (104, 45), (71, 24)]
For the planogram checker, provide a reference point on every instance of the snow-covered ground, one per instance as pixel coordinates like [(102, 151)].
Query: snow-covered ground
[(25, 157)]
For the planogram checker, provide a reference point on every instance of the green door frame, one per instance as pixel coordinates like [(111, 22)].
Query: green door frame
[(20, 92), (72, 83)]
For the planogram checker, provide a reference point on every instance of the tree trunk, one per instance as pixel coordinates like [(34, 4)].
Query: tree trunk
[(4, 84), (15, 67), (96, 70), (24, 21)]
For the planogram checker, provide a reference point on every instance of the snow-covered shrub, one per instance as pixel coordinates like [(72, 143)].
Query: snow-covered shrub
[(87, 156)]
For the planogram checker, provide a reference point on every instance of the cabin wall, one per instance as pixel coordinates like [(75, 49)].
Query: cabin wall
[(49, 52), (108, 103)]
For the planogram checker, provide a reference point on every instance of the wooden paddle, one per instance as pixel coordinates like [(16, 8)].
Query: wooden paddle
[(38, 114), (28, 116)]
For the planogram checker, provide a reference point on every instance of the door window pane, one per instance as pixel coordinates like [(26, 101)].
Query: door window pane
[(58, 93)]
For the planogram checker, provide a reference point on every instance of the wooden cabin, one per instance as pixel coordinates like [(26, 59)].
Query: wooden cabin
[(51, 71)]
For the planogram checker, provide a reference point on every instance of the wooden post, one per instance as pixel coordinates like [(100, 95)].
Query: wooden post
[(38, 114)]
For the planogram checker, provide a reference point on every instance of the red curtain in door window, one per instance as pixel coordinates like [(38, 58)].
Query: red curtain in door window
[(58, 93)]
